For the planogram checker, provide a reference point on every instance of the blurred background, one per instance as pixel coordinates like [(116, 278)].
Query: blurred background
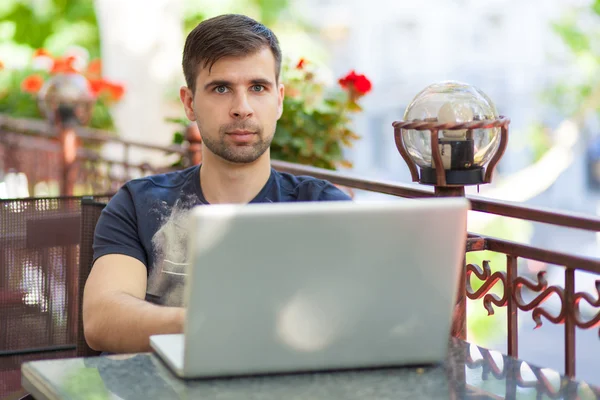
[(539, 62)]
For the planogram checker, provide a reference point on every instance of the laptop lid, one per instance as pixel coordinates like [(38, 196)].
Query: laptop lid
[(290, 287)]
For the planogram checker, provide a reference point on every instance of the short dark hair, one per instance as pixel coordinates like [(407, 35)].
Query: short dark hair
[(226, 35)]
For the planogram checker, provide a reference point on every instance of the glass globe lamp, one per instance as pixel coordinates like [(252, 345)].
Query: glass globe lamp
[(451, 131), (66, 99)]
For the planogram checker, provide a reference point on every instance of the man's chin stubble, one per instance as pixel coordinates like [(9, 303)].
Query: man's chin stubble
[(241, 158)]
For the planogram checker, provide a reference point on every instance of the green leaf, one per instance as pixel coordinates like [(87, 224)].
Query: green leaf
[(29, 29), (298, 142), (576, 40), (596, 7), (178, 138), (59, 23), (192, 20), (270, 10), (282, 135), (177, 120)]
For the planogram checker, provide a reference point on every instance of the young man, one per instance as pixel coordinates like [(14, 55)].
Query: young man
[(232, 69)]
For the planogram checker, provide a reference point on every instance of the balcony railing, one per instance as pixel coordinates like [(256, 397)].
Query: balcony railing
[(37, 149)]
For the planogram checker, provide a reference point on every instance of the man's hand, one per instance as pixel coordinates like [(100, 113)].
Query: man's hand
[(116, 318)]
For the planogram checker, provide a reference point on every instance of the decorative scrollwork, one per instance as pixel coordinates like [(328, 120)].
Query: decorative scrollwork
[(489, 280), (577, 297), (540, 286)]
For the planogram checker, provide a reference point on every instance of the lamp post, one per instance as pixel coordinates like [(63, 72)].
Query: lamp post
[(593, 164), (194, 139), (66, 100), (452, 137)]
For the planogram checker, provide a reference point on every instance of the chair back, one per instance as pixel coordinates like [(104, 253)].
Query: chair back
[(90, 213), (39, 241)]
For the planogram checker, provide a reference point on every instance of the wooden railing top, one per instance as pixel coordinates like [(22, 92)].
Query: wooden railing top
[(42, 128), (478, 203), (353, 181)]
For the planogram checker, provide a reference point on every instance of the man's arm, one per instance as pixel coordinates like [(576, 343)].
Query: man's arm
[(116, 318)]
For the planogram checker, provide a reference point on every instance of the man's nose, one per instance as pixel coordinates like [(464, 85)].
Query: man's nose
[(241, 108)]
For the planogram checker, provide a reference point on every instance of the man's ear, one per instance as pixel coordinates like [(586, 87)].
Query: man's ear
[(280, 100), (187, 98)]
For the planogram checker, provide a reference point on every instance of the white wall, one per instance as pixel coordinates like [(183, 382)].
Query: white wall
[(142, 43)]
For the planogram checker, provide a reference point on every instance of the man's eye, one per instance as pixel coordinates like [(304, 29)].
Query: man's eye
[(258, 88), (221, 89)]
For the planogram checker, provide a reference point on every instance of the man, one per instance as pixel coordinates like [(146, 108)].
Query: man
[(232, 69)]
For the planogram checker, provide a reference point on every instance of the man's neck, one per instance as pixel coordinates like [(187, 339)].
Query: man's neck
[(224, 182)]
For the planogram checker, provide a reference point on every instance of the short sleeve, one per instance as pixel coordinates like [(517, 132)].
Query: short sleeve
[(330, 192), (117, 229)]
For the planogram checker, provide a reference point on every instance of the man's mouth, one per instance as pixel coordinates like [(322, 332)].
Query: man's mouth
[(241, 136), (241, 133)]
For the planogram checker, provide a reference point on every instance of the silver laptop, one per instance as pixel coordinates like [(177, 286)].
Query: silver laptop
[(296, 287)]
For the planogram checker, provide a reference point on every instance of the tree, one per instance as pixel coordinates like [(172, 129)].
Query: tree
[(51, 24), (577, 94)]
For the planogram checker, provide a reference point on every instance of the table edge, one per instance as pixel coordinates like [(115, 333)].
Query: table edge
[(32, 382)]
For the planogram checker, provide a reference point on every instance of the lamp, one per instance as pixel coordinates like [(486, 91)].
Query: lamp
[(66, 99), (451, 137)]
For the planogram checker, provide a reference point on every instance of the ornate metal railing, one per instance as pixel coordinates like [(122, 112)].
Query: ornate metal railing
[(71, 156), (14, 133)]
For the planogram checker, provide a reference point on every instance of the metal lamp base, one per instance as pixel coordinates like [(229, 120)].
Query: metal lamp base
[(461, 177)]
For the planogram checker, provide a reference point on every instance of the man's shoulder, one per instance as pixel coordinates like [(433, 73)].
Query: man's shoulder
[(155, 190), (307, 188), (135, 213), (167, 180)]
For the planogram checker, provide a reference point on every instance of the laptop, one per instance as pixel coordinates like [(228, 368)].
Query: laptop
[(318, 286)]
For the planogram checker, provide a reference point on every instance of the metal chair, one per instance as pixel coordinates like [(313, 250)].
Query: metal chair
[(39, 240), (45, 259)]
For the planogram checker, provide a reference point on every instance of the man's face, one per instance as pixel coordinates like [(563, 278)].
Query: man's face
[(236, 106)]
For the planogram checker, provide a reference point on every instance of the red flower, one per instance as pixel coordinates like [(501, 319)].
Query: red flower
[(94, 68), (115, 91), (64, 65), (96, 86), (362, 84), (32, 84), (41, 52), (346, 81), (300, 64), (112, 90), (356, 83), (1, 65)]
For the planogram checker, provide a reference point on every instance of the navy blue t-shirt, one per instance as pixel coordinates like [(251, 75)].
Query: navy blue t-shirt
[(146, 219)]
